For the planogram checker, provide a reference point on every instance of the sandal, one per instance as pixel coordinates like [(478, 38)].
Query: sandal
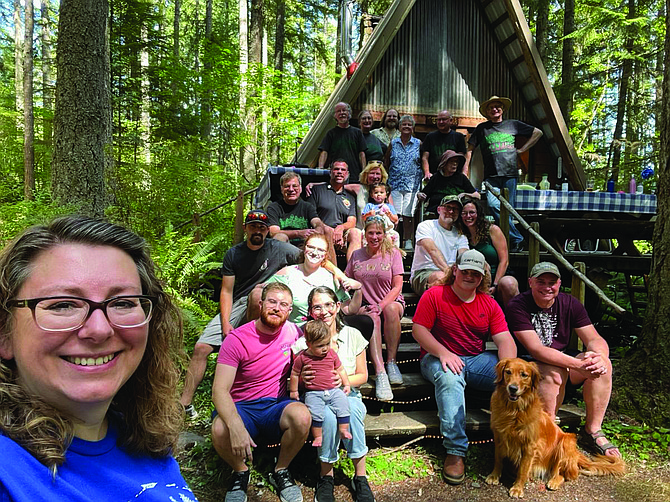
[(591, 441)]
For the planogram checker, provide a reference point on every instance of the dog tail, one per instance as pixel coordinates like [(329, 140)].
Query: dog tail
[(601, 465)]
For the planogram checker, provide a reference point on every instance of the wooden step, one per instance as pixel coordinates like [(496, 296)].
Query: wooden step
[(419, 423)]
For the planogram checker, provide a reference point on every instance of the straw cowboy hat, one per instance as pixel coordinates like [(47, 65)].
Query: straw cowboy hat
[(506, 102)]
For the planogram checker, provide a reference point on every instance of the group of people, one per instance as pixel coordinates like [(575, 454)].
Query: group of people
[(89, 339)]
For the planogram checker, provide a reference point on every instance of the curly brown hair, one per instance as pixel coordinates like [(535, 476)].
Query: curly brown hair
[(482, 225), (147, 407)]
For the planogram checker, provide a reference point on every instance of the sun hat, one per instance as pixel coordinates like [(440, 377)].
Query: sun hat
[(506, 102)]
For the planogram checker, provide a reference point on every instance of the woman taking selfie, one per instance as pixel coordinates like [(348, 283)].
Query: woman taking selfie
[(88, 375)]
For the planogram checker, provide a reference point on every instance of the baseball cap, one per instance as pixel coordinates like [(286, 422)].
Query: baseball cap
[(451, 198), (257, 216), (471, 260), (545, 267)]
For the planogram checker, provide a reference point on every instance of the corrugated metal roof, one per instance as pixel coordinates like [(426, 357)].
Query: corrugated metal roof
[(453, 54)]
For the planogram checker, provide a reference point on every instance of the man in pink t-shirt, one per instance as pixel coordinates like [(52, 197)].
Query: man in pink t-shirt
[(452, 323), (249, 393)]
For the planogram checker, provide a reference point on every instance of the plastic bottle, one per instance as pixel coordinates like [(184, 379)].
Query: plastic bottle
[(632, 186), (610, 184), (544, 184)]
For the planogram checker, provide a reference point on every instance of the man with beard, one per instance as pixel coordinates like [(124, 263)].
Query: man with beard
[(438, 142), (248, 263), (337, 209), (452, 323), (251, 398), (344, 142), (291, 218), (388, 127), (438, 243)]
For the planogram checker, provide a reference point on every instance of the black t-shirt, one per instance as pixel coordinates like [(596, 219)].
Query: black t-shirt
[(333, 208), (438, 186), (291, 217), (376, 149), (254, 267), (346, 144), (436, 143), (497, 145)]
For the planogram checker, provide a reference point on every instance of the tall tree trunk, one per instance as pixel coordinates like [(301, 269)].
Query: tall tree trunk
[(82, 119), (18, 59), (206, 126), (175, 30), (47, 94), (280, 38), (145, 113), (567, 74), (659, 102), (542, 29), (28, 117), (624, 83), (642, 384), (255, 60), (246, 158)]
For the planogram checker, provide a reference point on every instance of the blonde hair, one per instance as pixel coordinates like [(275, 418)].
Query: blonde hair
[(146, 405), (373, 164), (386, 246)]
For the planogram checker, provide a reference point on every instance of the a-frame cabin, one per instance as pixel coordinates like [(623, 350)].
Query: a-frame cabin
[(428, 55)]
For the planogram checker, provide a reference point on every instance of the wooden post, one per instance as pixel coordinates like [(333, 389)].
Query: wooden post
[(239, 217), (533, 247), (504, 215), (197, 237), (578, 290)]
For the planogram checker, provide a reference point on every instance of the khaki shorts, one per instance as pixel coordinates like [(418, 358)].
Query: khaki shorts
[(212, 332), (420, 279)]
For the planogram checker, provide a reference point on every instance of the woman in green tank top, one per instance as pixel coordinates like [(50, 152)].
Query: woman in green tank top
[(489, 240)]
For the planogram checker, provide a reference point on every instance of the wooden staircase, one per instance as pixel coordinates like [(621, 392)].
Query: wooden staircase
[(413, 411)]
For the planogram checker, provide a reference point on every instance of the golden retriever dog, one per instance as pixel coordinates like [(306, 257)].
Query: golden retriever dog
[(525, 434)]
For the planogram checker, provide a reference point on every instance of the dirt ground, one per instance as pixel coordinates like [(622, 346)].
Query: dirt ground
[(644, 482), (641, 485)]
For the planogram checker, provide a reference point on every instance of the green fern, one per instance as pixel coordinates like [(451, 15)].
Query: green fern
[(185, 268)]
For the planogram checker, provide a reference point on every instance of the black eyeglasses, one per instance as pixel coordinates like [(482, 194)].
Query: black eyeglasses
[(67, 313)]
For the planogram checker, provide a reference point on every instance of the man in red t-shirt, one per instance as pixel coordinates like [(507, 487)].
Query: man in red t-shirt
[(452, 323)]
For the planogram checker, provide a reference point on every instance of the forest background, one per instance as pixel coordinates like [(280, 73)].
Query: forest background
[(164, 110)]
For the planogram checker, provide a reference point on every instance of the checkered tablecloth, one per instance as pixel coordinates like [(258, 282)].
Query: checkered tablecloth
[(605, 202), (263, 192)]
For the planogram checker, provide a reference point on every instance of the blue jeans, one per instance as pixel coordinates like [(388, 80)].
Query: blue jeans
[(479, 372), (501, 182), (356, 447)]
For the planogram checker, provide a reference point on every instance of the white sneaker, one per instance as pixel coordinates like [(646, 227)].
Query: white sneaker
[(393, 372), (383, 388), (191, 412), (408, 245)]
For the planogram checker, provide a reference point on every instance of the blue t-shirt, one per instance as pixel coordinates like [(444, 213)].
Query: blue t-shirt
[(93, 470)]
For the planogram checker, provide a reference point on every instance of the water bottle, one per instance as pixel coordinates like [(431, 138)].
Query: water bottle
[(610, 185), (544, 184), (632, 186)]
